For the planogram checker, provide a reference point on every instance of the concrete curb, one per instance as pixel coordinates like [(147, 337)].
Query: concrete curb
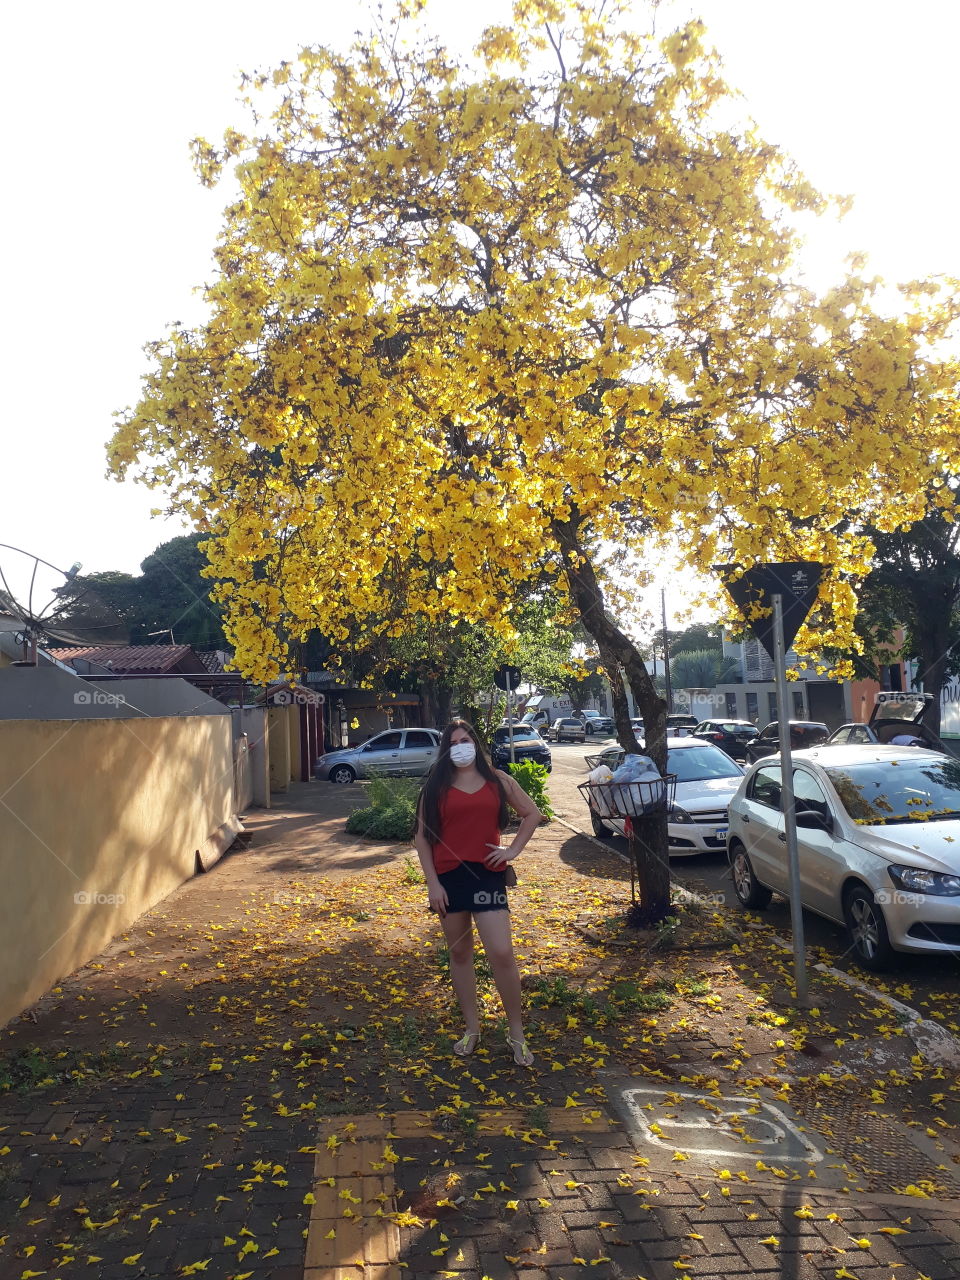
[(934, 1042)]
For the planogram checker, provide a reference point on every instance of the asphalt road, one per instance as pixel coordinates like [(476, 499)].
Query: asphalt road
[(929, 983)]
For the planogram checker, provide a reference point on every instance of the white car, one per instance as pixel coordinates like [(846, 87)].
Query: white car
[(707, 780), (879, 843)]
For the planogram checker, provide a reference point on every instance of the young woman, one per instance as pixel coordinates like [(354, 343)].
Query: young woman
[(462, 811)]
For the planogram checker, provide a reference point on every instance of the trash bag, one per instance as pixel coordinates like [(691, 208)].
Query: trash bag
[(637, 787), (599, 779)]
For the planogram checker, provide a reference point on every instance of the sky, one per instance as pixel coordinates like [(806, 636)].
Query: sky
[(108, 232)]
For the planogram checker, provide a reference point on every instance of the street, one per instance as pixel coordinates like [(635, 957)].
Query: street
[(930, 983)]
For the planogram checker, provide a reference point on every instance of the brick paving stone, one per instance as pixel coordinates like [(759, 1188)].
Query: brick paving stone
[(586, 1243)]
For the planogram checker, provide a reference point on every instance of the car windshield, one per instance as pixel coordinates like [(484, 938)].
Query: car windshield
[(518, 732), (880, 792), (693, 764)]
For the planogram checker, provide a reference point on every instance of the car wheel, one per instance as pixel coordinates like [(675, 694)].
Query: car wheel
[(749, 891), (867, 928), (600, 828), (341, 773)]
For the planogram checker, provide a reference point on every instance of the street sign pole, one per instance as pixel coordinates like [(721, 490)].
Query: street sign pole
[(789, 808), (513, 748)]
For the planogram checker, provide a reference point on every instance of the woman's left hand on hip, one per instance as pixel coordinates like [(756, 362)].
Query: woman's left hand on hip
[(498, 857)]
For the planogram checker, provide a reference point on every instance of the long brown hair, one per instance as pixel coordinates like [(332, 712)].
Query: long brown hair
[(440, 779)]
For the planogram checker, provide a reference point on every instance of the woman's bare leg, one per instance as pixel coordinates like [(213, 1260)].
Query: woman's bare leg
[(494, 930), (458, 931)]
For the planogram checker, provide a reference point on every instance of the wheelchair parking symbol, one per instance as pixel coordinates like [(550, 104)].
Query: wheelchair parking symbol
[(700, 1124)]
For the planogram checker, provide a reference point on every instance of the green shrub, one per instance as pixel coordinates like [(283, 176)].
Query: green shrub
[(533, 778), (382, 824), (391, 814)]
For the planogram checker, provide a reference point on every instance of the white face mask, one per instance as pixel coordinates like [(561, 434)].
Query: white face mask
[(463, 753)]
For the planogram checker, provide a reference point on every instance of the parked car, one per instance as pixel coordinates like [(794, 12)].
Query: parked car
[(398, 751), (680, 720), (879, 843), (568, 730), (894, 715), (803, 734), (527, 745), (729, 735), (594, 722), (706, 780)]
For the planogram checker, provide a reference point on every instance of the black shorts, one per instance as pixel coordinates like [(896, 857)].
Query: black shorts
[(474, 887)]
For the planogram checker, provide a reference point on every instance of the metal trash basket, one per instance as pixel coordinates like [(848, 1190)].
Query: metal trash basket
[(629, 799)]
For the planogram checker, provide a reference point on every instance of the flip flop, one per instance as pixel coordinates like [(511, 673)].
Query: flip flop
[(521, 1053), (467, 1044)]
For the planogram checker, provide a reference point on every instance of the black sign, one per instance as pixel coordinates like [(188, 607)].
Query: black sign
[(796, 582), (507, 678)]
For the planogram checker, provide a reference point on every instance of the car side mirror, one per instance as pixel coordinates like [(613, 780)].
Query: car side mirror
[(814, 820)]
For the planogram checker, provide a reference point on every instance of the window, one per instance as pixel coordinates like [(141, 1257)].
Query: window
[(772, 706), (765, 787), (842, 736), (798, 704), (808, 793), (731, 707), (385, 742), (753, 707), (420, 738)]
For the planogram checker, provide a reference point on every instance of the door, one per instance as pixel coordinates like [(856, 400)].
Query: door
[(767, 743), (820, 852), (762, 823), (382, 753), (419, 750)]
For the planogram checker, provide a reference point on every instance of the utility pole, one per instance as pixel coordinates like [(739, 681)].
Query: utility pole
[(666, 648), (789, 803)]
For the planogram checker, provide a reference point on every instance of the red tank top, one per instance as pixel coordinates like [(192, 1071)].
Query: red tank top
[(469, 825)]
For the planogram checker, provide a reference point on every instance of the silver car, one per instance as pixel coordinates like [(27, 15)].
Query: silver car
[(879, 843), (398, 751), (707, 779)]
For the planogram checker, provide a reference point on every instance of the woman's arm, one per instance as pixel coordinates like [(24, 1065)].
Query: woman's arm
[(530, 818), (435, 891)]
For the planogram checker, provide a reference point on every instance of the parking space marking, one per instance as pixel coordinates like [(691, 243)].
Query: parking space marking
[(738, 1127)]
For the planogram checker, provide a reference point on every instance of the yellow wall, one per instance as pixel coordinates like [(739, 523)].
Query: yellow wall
[(279, 733), (115, 808)]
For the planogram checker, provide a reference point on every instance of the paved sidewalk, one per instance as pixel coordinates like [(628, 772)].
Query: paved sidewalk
[(257, 1079)]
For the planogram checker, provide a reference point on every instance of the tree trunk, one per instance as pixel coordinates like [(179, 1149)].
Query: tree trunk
[(618, 654), (428, 701), (652, 903), (933, 651), (444, 705)]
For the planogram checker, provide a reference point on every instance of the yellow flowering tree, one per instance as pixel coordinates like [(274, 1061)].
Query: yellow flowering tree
[(479, 323)]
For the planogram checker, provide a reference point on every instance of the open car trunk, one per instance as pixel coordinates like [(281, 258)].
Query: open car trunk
[(895, 713)]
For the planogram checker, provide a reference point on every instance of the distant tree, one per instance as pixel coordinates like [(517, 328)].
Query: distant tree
[(169, 595), (692, 639), (701, 669), (914, 584)]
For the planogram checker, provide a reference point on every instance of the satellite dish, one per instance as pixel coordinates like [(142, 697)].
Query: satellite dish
[(51, 607)]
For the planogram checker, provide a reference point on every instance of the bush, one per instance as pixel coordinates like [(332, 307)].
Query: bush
[(533, 778), (391, 814)]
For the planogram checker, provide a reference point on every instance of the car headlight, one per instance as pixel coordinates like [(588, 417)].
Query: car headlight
[(919, 880), (676, 814)]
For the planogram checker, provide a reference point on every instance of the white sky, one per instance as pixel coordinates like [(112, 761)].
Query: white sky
[(107, 231)]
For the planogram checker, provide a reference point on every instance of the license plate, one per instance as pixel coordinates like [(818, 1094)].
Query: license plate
[(721, 833)]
